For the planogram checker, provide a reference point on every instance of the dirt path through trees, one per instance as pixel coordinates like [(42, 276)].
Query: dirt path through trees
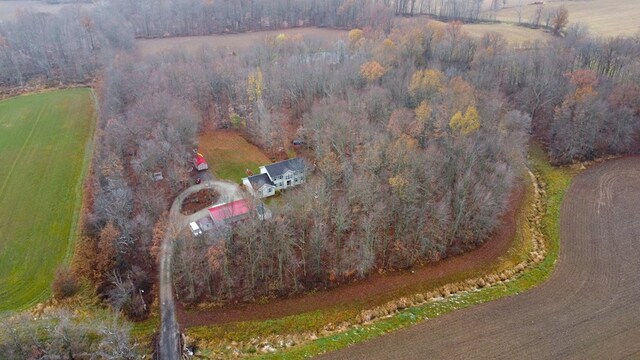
[(589, 309), (377, 286)]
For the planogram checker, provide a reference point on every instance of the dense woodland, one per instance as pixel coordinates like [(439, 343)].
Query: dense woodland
[(418, 134)]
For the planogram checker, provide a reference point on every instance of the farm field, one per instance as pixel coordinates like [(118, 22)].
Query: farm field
[(515, 35), (229, 155), (603, 17), (43, 139), (234, 42)]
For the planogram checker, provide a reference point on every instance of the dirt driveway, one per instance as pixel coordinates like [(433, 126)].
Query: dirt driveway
[(169, 330), (589, 309)]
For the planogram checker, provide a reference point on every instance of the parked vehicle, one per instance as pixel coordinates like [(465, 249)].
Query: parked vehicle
[(195, 229)]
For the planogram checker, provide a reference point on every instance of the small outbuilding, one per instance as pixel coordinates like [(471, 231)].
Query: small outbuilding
[(200, 163), (230, 212)]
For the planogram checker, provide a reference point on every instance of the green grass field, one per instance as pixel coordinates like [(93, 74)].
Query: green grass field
[(43, 141), (229, 155)]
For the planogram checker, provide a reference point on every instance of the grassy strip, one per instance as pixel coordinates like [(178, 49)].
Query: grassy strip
[(76, 225), (557, 181), (215, 336)]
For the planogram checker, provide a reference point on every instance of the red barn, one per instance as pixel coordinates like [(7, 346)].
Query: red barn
[(230, 212), (200, 163)]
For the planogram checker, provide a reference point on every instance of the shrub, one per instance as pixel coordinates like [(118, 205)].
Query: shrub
[(65, 283)]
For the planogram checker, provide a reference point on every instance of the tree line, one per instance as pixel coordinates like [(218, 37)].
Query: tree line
[(418, 135)]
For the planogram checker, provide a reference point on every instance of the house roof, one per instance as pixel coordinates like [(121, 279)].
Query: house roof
[(279, 168), (260, 180), (230, 210), (199, 159)]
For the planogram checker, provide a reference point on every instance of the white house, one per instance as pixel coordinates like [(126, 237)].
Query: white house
[(277, 176), (260, 185)]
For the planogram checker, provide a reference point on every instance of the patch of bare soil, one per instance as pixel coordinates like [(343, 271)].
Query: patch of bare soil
[(198, 201), (377, 288)]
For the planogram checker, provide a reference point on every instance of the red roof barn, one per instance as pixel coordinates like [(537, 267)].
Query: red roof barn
[(200, 163), (230, 212)]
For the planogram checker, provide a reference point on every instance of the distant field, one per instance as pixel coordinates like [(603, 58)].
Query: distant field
[(229, 155), (43, 139), (515, 35), (9, 8), (234, 42), (603, 17)]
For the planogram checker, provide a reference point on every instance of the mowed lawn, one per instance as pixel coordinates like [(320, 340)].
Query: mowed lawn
[(229, 155), (43, 139)]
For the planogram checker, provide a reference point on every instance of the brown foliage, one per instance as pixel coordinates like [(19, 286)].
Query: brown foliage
[(105, 259), (159, 231), (560, 19), (65, 283)]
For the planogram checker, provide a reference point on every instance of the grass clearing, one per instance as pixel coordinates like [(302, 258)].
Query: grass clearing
[(229, 155), (557, 181), (515, 35), (239, 43), (43, 142), (603, 17)]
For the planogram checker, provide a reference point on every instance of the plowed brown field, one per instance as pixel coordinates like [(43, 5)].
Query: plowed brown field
[(589, 309)]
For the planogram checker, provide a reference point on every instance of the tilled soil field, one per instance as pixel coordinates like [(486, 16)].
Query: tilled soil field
[(589, 309)]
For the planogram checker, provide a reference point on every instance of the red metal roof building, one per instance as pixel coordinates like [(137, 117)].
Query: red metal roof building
[(230, 212), (200, 162)]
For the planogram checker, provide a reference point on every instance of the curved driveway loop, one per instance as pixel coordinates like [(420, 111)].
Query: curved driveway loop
[(588, 309)]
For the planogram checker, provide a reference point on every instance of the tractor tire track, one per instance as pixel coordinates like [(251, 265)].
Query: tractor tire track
[(18, 158)]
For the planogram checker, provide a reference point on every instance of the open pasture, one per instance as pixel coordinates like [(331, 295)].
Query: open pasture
[(43, 141)]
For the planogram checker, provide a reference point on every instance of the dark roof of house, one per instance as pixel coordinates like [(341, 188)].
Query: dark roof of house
[(279, 168), (258, 181)]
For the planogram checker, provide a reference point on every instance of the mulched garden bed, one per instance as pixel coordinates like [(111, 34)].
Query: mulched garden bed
[(199, 200)]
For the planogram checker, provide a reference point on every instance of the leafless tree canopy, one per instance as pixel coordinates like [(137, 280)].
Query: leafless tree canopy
[(418, 134)]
